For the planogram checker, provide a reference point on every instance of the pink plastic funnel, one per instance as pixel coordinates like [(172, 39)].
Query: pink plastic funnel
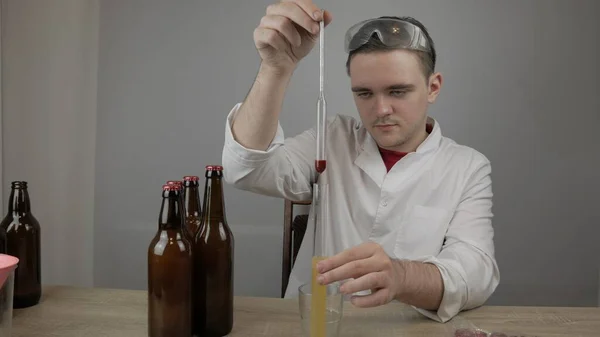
[(8, 263)]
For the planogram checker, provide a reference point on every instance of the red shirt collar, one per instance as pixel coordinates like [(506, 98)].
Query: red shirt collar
[(390, 158)]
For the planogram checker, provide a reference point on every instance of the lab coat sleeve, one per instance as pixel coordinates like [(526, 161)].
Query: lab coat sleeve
[(466, 262), (284, 170)]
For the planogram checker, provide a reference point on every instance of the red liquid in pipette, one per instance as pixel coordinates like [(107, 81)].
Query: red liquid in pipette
[(320, 165)]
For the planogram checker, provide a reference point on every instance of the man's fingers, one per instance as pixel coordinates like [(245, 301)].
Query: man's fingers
[(309, 8), (380, 297), (266, 37), (328, 18), (368, 281), (315, 12), (292, 11), (360, 252), (284, 26), (352, 269)]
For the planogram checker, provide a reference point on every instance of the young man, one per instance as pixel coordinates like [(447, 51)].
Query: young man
[(410, 210)]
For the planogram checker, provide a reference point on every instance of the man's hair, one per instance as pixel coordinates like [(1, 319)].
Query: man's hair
[(375, 45)]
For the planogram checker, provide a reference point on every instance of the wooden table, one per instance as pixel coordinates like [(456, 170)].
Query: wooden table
[(93, 312)]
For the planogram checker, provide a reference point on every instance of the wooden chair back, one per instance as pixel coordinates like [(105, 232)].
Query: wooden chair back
[(294, 228)]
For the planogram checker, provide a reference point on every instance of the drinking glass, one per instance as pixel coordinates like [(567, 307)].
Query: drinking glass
[(8, 264), (334, 309)]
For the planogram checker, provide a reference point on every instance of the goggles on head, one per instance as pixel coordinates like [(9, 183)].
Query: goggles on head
[(391, 32)]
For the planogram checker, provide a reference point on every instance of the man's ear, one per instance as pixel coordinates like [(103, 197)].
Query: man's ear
[(435, 85)]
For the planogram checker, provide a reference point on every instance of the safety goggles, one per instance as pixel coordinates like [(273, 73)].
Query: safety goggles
[(391, 32)]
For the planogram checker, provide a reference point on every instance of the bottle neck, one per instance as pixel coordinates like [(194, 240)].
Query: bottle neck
[(171, 211), (19, 201), (214, 206), (191, 201)]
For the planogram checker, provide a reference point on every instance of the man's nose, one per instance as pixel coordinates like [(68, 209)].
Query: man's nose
[(382, 106)]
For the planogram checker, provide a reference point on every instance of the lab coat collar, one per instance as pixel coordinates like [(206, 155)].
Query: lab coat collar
[(433, 140), (369, 158)]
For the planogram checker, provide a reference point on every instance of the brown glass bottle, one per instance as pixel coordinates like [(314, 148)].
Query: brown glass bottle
[(170, 266), (2, 240), (214, 249), (190, 236), (191, 202), (23, 241)]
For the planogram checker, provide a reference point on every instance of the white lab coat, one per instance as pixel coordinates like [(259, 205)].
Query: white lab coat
[(435, 204)]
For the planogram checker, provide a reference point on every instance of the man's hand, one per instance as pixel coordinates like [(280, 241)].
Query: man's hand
[(288, 32), (371, 268), (414, 283)]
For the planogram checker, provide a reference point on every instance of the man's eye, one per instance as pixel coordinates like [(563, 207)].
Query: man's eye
[(398, 93), (363, 94)]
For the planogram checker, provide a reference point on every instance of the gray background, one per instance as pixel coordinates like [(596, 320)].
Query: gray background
[(520, 86)]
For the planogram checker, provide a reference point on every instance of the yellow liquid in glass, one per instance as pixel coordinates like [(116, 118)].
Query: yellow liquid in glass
[(318, 302)]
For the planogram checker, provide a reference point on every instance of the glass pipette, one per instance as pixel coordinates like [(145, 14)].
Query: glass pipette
[(321, 161), (319, 292)]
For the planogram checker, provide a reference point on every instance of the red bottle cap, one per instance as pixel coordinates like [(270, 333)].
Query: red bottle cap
[(168, 187), (191, 178), (175, 183), (214, 168)]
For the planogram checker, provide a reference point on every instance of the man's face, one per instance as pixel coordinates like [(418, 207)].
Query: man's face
[(392, 95)]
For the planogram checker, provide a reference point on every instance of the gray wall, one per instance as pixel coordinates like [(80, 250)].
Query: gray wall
[(49, 59), (520, 86)]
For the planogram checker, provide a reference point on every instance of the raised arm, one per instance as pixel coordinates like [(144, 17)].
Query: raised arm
[(285, 35), (256, 154), (257, 119), (284, 170)]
